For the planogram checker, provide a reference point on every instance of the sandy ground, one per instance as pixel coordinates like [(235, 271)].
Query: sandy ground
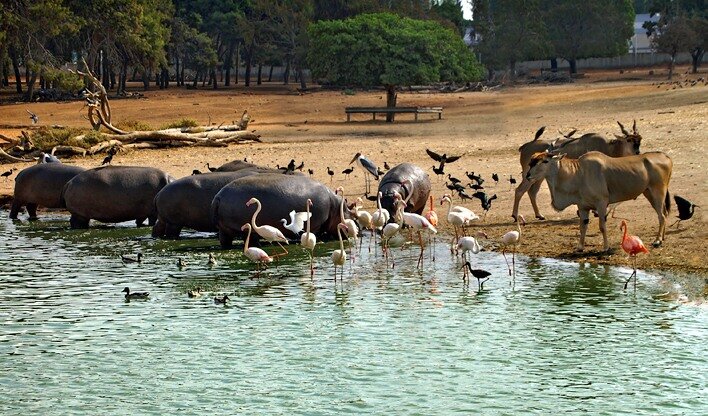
[(487, 127)]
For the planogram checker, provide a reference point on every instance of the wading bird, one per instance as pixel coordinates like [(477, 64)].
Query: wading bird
[(365, 220), (108, 159), (486, 201), (512, 238), (351, 227), (267, 232), (512, 181), (685, 209), (386, 166), (443, 159), (632, 245), (459, 217), (347, 171), (255, 254), (8, 173), (196, 172), (195, 293), (418, 223), (369, 169), (214, 169), (478, 274), (495, 178), (381, 216), (339, 257), (128, 259), (330, 172), (32, 116), (297, 222), (181, 263), (453, 179), (310, 172), (212, 260), (439, 171), (221, 300), (308, 239), (134, 295)]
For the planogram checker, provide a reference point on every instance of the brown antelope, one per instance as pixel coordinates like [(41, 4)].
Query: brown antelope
[(625, 145), (595, 180)]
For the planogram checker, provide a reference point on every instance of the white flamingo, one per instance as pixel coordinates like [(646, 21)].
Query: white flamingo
[(512, 238), (392, 230), (365, 220), (267, 232), (418, 223), (255, 254), (352, 229), (381, 216), (339, 257), (297, 221), (469, 244), (308, 239)]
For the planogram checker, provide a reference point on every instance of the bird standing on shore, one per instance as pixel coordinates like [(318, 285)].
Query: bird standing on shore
[(8, 173), (495, 178), (512, 238), (632, 245), (267, 232), (512, 181), (210, 168), (347, 171), (330, 172), (32, 116), (369, 169)]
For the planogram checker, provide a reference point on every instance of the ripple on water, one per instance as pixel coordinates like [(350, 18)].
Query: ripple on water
[(560, 338)]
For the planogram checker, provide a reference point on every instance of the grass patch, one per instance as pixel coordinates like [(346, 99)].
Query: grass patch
[(185, 122), (47, 137), (134, 125)]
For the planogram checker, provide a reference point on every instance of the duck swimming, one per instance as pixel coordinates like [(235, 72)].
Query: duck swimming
[(222, 300), (135, 295), (128, 259)]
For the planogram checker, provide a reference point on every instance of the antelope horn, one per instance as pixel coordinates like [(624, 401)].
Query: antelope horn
[(634, 127), (539, 133), (624, 131)]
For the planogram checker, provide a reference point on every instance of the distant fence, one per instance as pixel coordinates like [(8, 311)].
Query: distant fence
[(624, 61)]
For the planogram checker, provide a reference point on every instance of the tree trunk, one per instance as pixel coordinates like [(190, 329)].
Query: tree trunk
[(249, 59), (286, 74), (671, 65), (196, 80), (16, 69), (213, 76), (146, 80), (30, 86), (112, 76), (696, 58), (259, 80), (391, 98), (238, 62), (301, 75), (554, 64), (227, 66), (573, 66), (123, 77), (270, 74)]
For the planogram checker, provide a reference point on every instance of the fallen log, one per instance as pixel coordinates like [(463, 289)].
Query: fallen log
[(71, 150), (10, 158)]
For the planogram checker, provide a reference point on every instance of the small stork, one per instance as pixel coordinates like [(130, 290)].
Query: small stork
[(369, 169), (297, 221), (478, 274), (8, 173), (32, 116), (685, 209)]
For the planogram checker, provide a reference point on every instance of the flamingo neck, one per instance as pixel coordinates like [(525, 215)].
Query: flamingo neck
[(341, 243), (431, 203), (518, 227), (248, 237), (307, 208), (449, 206), (623, 226), (255, 214), (341, 209)]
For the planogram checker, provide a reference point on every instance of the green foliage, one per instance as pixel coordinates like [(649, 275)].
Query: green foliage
[(385, 49), (588, 29), (449, 11), (184, 122), (63, 80)]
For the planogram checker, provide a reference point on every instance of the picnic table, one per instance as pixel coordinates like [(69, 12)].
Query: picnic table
[(393, 110)]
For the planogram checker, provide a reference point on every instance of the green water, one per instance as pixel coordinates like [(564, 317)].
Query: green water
[(565, 339)]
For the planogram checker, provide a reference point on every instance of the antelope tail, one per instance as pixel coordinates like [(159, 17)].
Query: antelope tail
[(667, 203)]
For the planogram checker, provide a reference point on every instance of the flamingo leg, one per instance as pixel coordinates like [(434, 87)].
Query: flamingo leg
[(422, 249), (507, 261)]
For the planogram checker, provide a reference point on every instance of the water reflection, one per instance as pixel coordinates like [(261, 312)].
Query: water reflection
[(565, 338)]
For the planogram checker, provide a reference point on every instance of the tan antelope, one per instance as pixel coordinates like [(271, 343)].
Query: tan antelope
[(595, 180), (625, 145)]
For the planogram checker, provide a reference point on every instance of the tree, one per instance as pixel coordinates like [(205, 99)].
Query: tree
[(692, 16), (449, 11), (512, 31), (385, 49), (588, 29)]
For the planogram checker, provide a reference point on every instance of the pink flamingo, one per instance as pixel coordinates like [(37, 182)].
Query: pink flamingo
[(255, 254), (432, 218), (632, 245)]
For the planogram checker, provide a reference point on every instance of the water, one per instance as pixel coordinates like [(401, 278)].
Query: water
[(565, 338)]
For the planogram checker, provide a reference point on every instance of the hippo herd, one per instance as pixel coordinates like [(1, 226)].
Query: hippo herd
[(209, 202)]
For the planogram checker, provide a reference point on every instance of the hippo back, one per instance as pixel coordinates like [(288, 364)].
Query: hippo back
[(419, 187), (42, 184), (278, 194), (115, 193), (187, 201)]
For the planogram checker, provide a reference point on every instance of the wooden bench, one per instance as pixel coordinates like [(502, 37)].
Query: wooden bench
[(392, 110)]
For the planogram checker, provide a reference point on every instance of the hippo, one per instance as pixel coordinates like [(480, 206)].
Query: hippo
[(41, 185), (186, 202), (114, 194), (408, 180), (279, 194), (237, 165)]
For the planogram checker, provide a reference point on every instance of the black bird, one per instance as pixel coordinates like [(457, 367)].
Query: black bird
[(485, 199), (108, 159), (291, 166), (476, 178), (512, 181), (135, 295), (475, 186), (347, 171), (478, 274), (685, 209), (310, 172), (380, 172), (438, 171), (128, 259), (214, 169), (196, 172), (441, 158), (386, 166), (221, 300), (451, 187), (300, 166), (464, 195), (495, 177), (371, 197), (7, 174), (330, 172), (453, 179)]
